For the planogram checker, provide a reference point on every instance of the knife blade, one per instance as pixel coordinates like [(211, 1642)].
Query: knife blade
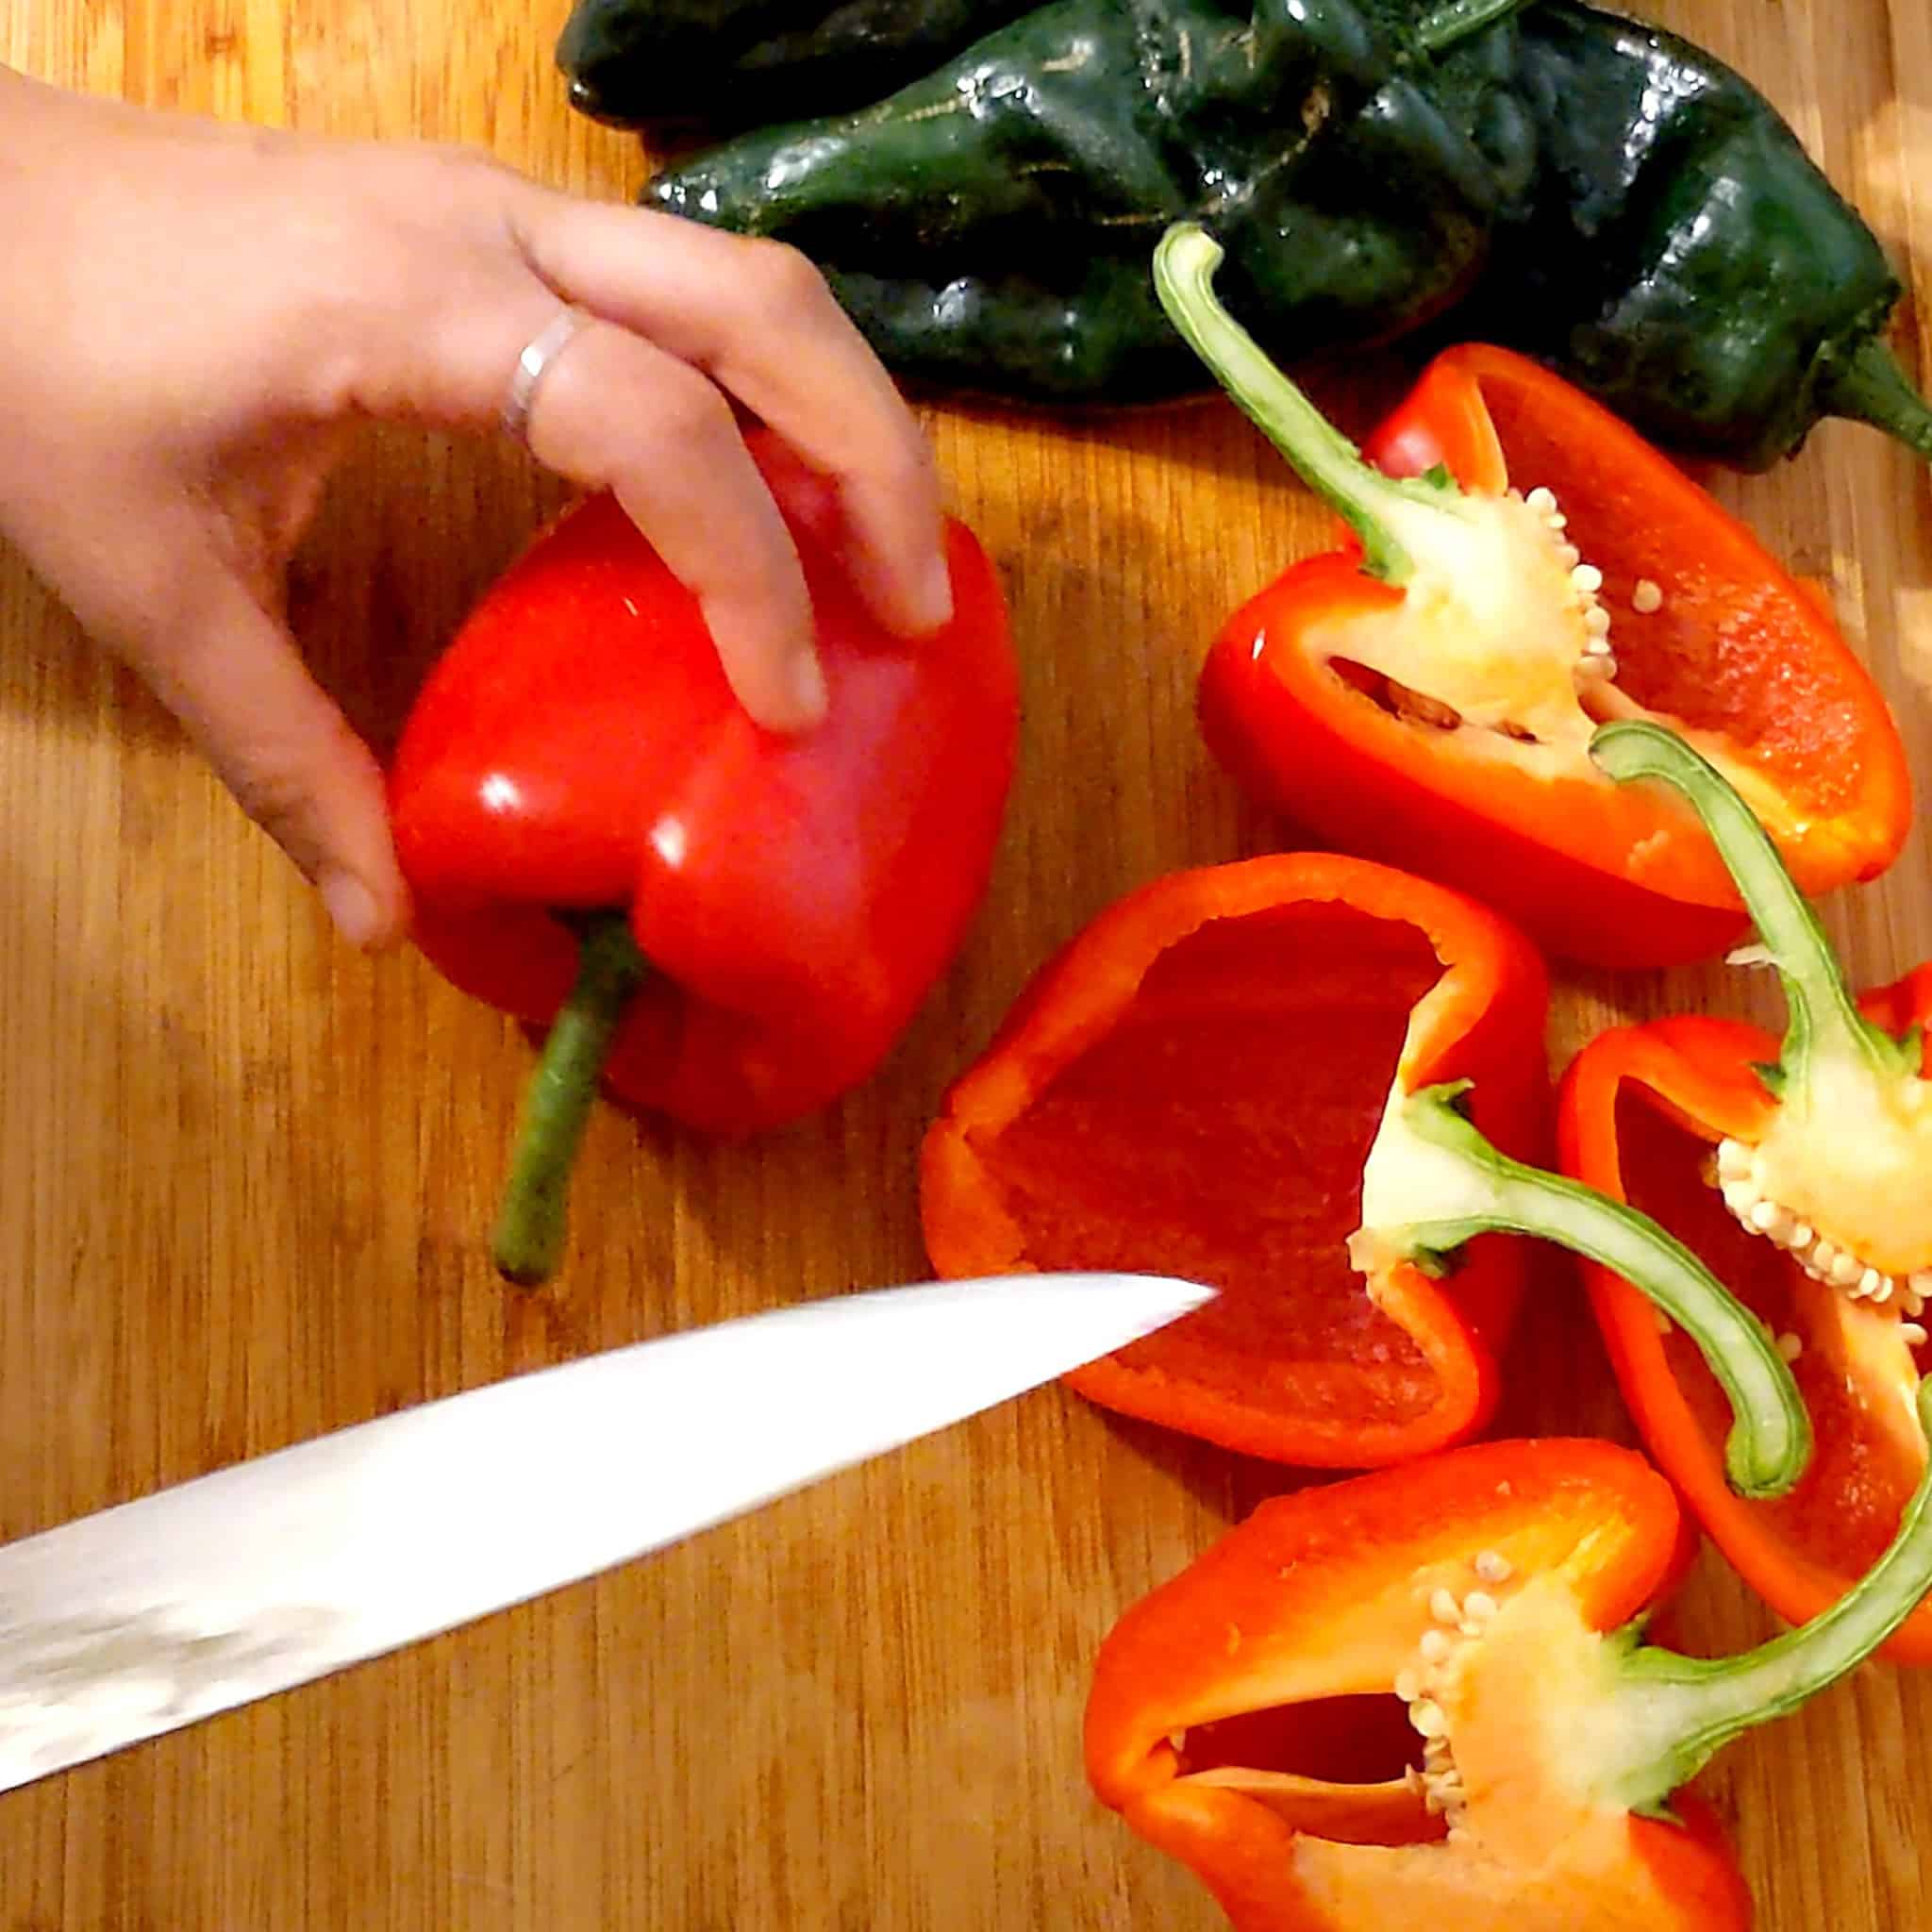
[(160, 1612)]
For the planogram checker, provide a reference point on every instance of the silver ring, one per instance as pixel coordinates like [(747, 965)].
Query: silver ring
[(533, 363)]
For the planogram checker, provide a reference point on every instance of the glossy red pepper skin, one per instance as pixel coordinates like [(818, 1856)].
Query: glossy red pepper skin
[(1212, 1725), (1191, 1087), (1738, 650), (1641, 1108), (576, 747)]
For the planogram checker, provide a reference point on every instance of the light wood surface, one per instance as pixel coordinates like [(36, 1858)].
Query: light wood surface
[(244, 1175)]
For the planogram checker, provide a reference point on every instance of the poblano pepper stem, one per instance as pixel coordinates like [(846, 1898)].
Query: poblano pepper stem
[(533, 1216), (1184, 264), (1870, 387), (1432, 1183), (1822, 1018), (1682, 1711)]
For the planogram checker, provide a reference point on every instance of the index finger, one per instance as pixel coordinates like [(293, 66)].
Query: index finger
[(757, 318), (619, 414)]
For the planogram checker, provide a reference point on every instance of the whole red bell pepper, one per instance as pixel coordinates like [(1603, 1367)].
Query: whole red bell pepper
[(1499, 1592), (1426, 694), (731, 926), (1802, 1173), (1256, 1076)]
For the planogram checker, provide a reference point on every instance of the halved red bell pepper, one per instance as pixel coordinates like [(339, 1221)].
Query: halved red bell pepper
[(1425, 695), (1254, 1076), (733, 925), (1495, 1594), (1802, 1173)]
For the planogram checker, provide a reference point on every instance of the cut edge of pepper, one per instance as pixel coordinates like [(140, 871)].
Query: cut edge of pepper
[(1826, 844), (1659, 1063), (1358, 1575), (1044, 1031)]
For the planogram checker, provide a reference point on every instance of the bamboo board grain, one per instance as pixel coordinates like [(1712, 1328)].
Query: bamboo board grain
[(242, 1174)]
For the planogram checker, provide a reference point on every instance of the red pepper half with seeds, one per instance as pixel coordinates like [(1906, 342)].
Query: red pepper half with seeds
[(1426, 695), (728, 927), (1802, 1173), (1496, 1597), (1295, 1078)]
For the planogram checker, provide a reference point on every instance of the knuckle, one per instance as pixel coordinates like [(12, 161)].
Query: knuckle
[(277, 794), (690, 412), (908, 472), (280, 784), (772, 585), (784, 285)]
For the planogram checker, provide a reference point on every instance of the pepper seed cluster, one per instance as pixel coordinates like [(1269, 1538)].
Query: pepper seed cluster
[(1455, 1621), (1735, 1172), (1585, 578)]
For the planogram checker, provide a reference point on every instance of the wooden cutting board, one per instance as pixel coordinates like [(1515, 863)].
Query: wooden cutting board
[(243, 1175)]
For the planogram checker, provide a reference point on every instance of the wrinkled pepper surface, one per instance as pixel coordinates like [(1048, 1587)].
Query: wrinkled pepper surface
[(1277, 1076), (990, 226), (733, 64), (730, 926), (1612, 198), (1801, 1171), (1498, 1592), (1519, 567)]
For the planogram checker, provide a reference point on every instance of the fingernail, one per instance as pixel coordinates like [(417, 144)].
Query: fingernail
[(808, 687), (350, 904), (936, 594)]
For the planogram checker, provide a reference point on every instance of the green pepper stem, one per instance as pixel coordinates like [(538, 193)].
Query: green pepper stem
[(1429, 1155), (1460, 20), (1683, 1710), (1868, 386), (1822, 1018), (534, 1214), (1331, 466)]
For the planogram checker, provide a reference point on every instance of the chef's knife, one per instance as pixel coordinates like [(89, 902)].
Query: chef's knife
[(241, 1584)]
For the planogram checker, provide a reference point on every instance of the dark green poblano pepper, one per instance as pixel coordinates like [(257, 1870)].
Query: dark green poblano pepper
[(738, 63), (1682, 259), (1615, 200), (991, 227)]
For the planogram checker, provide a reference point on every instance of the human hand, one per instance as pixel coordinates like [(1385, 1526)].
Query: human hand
[(195, 315)]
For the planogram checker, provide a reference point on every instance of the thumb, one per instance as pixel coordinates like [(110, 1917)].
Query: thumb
[(233, 675)]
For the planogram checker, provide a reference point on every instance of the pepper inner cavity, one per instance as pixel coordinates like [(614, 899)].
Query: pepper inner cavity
[(1359, 1739), (1302, 1759), (1346, 1768), (1218, 1131), (1502, 627)]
